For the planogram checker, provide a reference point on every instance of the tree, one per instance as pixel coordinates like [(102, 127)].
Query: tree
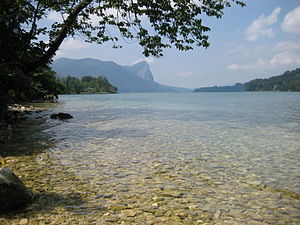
[(87, 85), (27, 45), (288, 81), (173, 22)]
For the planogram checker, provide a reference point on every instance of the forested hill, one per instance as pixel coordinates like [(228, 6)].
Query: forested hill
[(87, 85), (288, 81), (236, 88)]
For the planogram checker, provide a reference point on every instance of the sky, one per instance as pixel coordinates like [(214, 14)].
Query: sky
[(256, 41)]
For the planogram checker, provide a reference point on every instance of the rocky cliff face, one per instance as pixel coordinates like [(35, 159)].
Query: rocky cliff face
[(142, 69)]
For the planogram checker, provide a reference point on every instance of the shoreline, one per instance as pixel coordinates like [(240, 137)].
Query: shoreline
[(18, 113)]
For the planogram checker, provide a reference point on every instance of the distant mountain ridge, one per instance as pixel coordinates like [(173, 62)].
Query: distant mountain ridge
[(288, 81), (235, 88), (136, 78)]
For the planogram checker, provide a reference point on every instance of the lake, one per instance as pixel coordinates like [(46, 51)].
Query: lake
[(163, 158)]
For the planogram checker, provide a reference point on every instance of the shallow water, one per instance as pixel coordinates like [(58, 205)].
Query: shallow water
[(167, 158)]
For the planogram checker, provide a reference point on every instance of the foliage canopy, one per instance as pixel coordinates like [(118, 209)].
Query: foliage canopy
[(87, 85)]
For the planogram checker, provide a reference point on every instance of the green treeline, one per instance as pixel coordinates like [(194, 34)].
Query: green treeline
[(236, 88), (87, 85), (288, 81)]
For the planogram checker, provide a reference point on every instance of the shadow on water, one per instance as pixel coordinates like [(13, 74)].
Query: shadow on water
[(25, 138), (45, 202)]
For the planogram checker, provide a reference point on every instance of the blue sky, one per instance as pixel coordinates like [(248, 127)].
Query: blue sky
[(256, 41)]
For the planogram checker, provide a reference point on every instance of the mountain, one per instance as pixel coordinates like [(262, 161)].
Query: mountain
[(236, 88), (142, 69), (136, 78), (288, 81)]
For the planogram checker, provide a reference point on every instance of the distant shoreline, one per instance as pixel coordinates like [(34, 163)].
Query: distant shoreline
[(288, 81)]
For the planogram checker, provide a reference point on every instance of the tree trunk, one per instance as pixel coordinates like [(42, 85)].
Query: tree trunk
[(59, 39)]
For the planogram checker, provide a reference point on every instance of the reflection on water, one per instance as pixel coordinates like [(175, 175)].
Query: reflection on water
[(193, 158)]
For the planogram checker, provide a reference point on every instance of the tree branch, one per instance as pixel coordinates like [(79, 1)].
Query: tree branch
[(33, 26), (62, 34)]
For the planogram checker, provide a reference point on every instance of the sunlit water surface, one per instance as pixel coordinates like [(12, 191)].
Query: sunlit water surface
[(172, 158)]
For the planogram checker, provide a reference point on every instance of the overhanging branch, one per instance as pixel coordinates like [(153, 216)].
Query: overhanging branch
[(59, 39)]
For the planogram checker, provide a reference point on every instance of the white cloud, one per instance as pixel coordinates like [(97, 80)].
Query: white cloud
[(236, 50), (234, 67), (59, 54), (68, 47), (149, 60), (253, 65), (279, 59), (291, 21), (285, 53), (287, 46), (261, 27), (285, 58), (72, 44), (186, 74)]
